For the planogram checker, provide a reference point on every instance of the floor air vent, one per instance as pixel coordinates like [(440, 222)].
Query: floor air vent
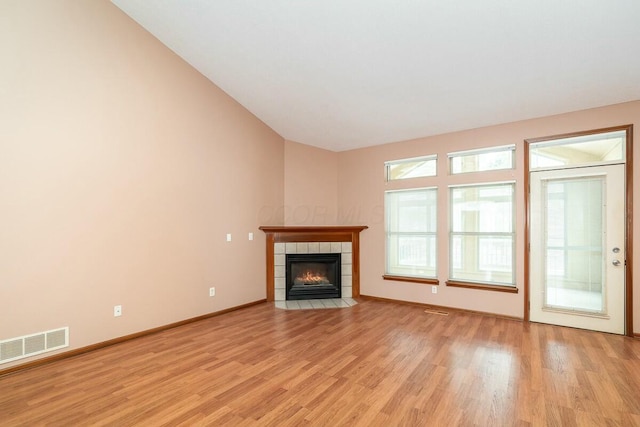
[(31, 345), (441, 313)]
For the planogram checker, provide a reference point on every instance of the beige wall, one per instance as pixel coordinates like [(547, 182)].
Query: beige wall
[(362, 186), (311, 185), (121, 171)]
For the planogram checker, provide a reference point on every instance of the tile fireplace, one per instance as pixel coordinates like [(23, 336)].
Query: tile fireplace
[(332, 251)]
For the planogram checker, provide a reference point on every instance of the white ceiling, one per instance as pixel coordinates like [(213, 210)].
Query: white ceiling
[(343, 74)]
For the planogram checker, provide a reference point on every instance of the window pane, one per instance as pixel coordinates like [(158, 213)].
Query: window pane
[(411, 211), (411, 232), (495, 254), (482, 259), (412, 251), (482, 209), (482, 234), (499, 158), (414, 168), (580, 150)]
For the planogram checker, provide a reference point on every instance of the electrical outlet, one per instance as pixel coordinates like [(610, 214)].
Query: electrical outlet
[(250, 236), (228, 237), (212, 292), (434, 289), (117, 311)]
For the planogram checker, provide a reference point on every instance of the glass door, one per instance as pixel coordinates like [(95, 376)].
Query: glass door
[(577, 247)]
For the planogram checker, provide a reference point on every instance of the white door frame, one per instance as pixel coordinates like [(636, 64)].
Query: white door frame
[(628, 221)]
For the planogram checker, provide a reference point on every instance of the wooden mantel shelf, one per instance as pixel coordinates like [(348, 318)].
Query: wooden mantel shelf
[(332, 233), (311, 228)]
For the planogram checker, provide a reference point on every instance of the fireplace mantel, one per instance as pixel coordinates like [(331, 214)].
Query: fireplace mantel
[(301, 234)]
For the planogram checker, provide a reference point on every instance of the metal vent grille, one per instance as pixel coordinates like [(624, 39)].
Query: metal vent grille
[(31, 345), (57, 338), (34, 344), (11, 349)]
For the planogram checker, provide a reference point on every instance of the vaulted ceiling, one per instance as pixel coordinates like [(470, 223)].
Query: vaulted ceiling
[(344, 74)]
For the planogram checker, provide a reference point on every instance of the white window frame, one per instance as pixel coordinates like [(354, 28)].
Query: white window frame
[(392, 264), (456, 263), (478, 152), (389, 164)]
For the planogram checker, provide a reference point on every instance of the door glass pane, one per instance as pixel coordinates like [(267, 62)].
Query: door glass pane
[(574, 236)]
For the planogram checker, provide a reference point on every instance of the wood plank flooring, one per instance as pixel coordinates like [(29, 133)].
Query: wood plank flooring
[(374, 364)]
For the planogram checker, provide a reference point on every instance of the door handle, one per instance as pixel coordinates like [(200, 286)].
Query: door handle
[(615, 262)]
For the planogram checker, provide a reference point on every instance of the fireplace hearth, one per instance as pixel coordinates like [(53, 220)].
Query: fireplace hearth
[(313, 276)]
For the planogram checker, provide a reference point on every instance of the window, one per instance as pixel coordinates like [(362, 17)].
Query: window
[(482, 239), (411, 168), (411, 232), (482, 160), (592, 149)]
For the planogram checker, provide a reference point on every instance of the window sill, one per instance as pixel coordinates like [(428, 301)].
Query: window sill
[(424, 281), (482, 286)]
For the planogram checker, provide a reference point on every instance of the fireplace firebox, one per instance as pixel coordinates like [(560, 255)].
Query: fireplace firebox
[(313, 276)]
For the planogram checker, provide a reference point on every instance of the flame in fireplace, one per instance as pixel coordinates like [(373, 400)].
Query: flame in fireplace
[(312, 278)]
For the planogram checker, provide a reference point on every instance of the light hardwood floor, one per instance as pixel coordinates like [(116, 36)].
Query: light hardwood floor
[(374, 364)]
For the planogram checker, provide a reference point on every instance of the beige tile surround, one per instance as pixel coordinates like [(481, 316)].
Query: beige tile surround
[(281, 249)]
